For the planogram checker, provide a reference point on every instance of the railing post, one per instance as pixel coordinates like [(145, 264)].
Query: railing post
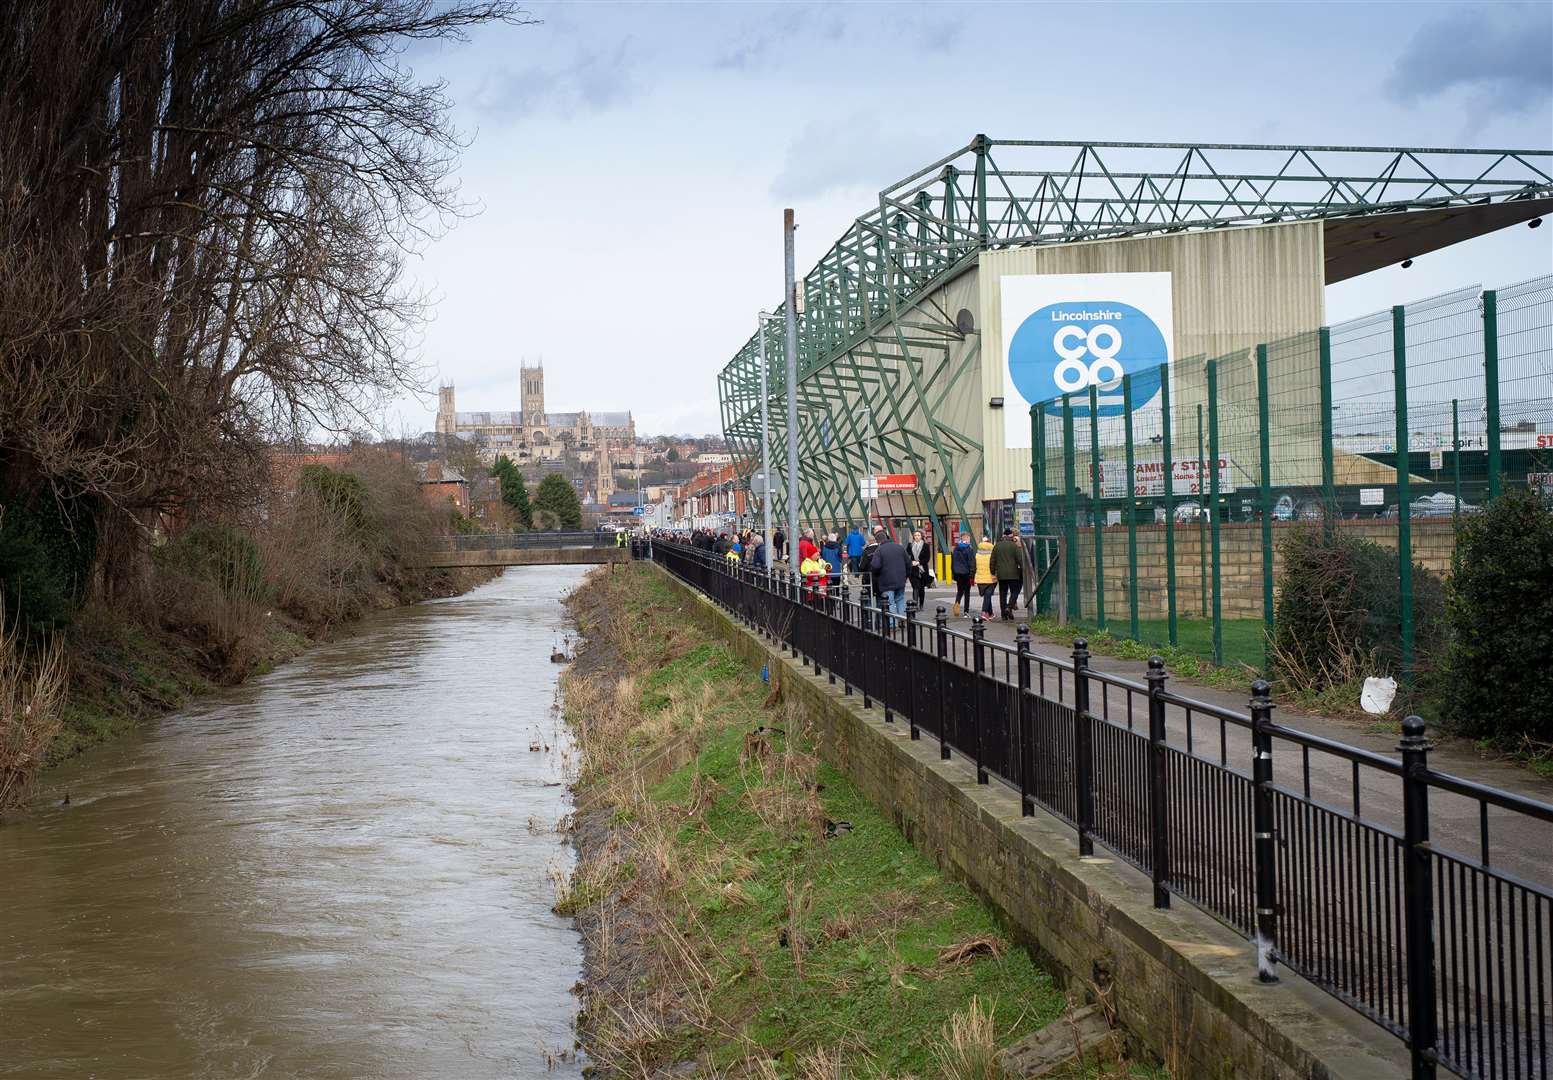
[(1159, 822), (1418, 898), (1262, 813), (978, 664), (831, 635), (911, 662), (1083, 756), (1021, 710), (941, 628), (846, 628)]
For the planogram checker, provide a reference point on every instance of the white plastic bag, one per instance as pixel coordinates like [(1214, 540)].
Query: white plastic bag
[(1377, 694)]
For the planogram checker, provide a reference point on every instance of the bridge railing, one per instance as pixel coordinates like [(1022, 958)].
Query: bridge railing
[(522, 540), (1448, 948)]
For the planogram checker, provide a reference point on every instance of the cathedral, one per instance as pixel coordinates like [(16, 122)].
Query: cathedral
[(532, 435)]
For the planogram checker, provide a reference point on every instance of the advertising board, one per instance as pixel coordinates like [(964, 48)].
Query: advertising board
[(1063, 333)]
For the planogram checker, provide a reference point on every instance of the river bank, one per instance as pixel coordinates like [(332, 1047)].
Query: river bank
[(125, 671), (744, 910)]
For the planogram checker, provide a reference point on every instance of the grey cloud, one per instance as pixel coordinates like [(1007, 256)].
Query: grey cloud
[(1502, 54), (787, 26), (590, 81), (852, 152)]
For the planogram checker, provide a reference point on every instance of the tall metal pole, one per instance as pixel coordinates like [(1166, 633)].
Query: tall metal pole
[(765, 438), (790, 311)]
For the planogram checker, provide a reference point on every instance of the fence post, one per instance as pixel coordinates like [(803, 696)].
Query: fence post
[(1021, 709), (1266, 453), (1266, 854), (1159, 822), (1404, 507), (1213, 502), (1083, 756), (979, 665), (911, 663), (1098, 512), (1491, 385), (1132, 512), (1456, 463), (1070, 478), (1418, 898), (941, 628), (845, 652), (1328, 468), (1202, 519), (1168, 468)]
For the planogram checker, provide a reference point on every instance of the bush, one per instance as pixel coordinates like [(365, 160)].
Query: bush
[(1339, 610), (213, 591), (558, 500), (46, 551), (1494, 682)]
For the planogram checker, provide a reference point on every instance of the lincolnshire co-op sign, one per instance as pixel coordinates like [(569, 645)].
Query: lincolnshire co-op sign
[(1063, 333)]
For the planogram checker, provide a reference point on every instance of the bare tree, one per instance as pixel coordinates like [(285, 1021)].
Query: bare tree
[(204, 211)]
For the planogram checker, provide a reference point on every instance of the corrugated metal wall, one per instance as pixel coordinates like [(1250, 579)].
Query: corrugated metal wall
[(1231, 289)]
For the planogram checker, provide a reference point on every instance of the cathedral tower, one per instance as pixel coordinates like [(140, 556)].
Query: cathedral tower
[(447, 422), (533, 395)]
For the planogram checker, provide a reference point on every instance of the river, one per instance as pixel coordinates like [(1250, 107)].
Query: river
[(338, 870)]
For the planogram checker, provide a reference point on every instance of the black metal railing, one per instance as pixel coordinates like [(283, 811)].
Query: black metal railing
[(1319, 852)]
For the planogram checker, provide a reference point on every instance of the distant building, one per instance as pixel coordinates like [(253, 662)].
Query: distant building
[(531, 434), (442, 484)]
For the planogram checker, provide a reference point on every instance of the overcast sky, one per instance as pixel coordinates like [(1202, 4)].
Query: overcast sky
[(631, 161)]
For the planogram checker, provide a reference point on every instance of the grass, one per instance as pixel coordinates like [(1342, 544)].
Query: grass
[(1180, 661), (792, 931)]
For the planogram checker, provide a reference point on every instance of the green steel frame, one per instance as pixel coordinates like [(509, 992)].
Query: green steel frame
[(878, 355)]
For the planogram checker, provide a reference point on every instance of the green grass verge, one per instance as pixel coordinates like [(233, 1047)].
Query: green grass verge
[(1181, 662)]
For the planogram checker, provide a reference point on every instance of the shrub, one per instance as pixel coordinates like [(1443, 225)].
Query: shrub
[(557, 498), (46, 550), (213, 591), (32, 693), (1339, 610), (1494, 682)]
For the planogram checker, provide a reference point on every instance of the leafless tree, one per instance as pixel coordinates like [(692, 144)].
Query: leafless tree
[(204, 210)]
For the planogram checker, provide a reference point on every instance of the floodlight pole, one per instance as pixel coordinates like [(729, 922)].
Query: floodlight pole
[(790, 292), (765, 437)]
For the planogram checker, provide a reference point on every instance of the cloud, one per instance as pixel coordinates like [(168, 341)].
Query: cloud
[(1501, 54), (590, 81), (786, 28), (851, 152)]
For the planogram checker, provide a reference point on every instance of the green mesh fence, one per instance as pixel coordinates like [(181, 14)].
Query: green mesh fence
[(1170, 492)]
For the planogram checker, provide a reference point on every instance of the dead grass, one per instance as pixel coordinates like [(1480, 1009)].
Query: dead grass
[(969, 1049), (32, 699)]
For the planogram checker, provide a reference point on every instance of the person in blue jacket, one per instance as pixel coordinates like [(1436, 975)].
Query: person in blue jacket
[(830, 551), (855, 544)]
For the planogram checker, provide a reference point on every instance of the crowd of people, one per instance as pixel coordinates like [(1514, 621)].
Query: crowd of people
[(882, 568)]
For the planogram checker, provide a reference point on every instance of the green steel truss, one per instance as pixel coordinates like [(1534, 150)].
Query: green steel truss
[(878, 354)]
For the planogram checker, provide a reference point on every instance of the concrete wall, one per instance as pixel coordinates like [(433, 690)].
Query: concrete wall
[(1182, 985), (1231, 289)]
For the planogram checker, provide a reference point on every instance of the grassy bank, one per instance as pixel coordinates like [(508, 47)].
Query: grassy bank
[(223, 598), (746, 911)]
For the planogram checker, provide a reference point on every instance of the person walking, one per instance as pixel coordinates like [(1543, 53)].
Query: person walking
[(762, 552), (865, 559), (921, 552), (778, 544), (891, 567), (986, 580), (830, 551), (962, 567), (855, 544), (1008, 565)]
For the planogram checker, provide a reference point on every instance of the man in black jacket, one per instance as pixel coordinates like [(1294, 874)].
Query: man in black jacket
[(891, 565)]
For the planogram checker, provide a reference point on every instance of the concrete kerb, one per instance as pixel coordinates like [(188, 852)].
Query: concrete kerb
[(1182, 985)]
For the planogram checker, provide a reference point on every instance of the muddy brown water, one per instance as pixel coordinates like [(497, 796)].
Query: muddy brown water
[(339, 870)]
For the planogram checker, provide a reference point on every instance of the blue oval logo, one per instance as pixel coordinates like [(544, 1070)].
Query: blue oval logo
[(1068, 347)]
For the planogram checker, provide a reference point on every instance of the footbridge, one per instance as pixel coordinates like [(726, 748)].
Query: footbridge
[(523, 549)]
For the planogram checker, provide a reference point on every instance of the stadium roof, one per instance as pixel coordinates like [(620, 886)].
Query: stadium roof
[(1380, 205)]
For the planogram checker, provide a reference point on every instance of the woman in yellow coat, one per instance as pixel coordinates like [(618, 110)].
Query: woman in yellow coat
[(986, 580)]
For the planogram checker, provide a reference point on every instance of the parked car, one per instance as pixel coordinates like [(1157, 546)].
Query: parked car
[(1439, 504)]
